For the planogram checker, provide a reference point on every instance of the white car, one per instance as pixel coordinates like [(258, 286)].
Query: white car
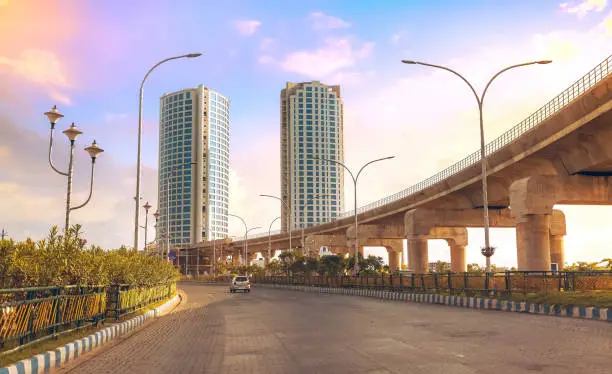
[(240, 283)]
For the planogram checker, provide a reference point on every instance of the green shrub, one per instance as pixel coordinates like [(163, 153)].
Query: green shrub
[(59, 260)]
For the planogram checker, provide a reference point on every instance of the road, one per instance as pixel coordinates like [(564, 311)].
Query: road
[(274, 331)]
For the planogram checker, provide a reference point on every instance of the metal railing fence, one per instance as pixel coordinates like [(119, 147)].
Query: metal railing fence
[(506, 283), (29, 315)]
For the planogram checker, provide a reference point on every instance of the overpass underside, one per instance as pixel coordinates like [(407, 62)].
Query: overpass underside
[(565, 159)]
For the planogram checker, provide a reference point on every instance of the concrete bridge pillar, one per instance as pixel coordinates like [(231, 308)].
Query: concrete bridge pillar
[(533, 242), (395, 249), (458, 258), (557, 236), (531, 204), (557, 250), (417, 254), (395, 260)]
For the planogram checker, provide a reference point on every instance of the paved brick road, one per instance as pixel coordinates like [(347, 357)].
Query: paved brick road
[(273, 331)]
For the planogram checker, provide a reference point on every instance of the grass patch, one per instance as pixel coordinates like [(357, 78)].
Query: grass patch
[(53, 343), (602, 299)]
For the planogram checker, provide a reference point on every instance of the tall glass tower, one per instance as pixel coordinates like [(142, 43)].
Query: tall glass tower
[(193, 188), (311, 125)]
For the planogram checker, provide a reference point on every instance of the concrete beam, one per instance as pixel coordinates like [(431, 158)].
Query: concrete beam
[(387, 231), (419, 221), (335, 243), (539, 193)]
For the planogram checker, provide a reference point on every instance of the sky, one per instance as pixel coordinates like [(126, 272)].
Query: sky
[(89, 57)]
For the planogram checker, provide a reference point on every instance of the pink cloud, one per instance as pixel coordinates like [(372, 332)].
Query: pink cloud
[(43, 68), (322, 21), (584, 7), (247, 27), (336, 54)]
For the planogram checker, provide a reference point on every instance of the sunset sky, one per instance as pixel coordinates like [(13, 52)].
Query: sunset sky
[(89, 57)]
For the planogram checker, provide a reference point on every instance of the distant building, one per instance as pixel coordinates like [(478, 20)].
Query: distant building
[(439, 267), (311, 126), (193, 187), (324, 251), (259, 262)]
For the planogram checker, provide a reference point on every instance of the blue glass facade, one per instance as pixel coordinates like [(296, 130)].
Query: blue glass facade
[(193, 166)]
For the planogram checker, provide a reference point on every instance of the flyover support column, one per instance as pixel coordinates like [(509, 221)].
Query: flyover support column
[(557, 250), (557, 235), (531, 204), (458, 258), (395, 260), (533, 242), (395, 249), (417, 254)]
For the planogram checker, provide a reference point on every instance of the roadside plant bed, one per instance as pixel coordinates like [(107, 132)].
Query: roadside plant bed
[(58, 286)]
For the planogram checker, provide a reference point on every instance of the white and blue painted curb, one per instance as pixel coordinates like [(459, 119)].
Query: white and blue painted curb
[(44, 362), (586, 312)]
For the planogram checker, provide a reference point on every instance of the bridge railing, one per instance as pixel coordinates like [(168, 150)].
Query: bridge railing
[(29, 315), (504, 283), (589, 80)]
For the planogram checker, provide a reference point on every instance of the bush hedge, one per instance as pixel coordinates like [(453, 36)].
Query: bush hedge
[(59, 261)]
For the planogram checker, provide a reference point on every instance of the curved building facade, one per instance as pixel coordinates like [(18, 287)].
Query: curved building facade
[(193, 187)]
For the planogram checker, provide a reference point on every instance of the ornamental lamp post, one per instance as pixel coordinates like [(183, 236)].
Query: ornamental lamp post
[(93, 150)]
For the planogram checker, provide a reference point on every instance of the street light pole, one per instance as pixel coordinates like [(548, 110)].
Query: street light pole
[(3, 234), (355, 178), (72, 133), (487, 251), (246, 237), (157, 234), (146, 207), (246, 230), (137, 210), (288, 218), (270, 238)]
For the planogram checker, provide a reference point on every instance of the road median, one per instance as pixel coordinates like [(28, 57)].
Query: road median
[(472, 302)]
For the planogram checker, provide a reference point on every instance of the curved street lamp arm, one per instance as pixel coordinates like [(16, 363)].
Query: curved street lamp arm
[(50, 159), (339, 163), (93, 163), (450, 70), (271, 223), (240, 218), (371, 162), (159, 63), (484, 92)]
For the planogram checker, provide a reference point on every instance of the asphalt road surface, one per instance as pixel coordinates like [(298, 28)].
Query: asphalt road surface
[(273, 331)]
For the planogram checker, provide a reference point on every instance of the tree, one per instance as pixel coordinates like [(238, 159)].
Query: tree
[(605, 264), (371, 265), (275, 267), (442, 267), (331, 265), (475, 269)]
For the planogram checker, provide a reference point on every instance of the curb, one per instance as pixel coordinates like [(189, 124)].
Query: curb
[(592, 313), (42, 363)]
